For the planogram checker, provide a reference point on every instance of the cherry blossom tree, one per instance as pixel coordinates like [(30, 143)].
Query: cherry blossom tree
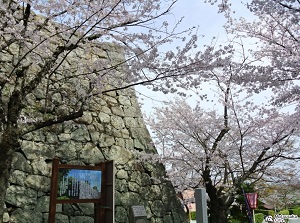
[(280, 191), (248, 140), (237, 141), (274, 34), (66, 52)]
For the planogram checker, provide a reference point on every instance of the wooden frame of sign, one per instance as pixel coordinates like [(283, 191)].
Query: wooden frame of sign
[(83, 184)]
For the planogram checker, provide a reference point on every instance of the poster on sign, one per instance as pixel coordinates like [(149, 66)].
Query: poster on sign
[(79, 184)]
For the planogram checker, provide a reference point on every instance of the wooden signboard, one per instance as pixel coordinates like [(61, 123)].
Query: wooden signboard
[(83, 184)]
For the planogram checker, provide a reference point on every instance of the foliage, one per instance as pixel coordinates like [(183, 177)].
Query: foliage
[(247, 141), (295, 211), (282, 193), (193, 215), (259, 218), (275, 38), (236, 214), (232, 220), (266, 212), (222, 149), (238, 210), (284, 212)]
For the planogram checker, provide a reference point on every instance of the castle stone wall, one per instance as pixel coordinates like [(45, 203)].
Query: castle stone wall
[(111, 129)]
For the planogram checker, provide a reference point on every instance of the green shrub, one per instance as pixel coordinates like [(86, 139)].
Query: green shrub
[(284, 212), (234, 221), (259, 217), (265, 212), (295, 211), (193, 215)]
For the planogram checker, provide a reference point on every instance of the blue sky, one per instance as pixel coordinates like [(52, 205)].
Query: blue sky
[(197, 13), (93, 176), (209, 22)]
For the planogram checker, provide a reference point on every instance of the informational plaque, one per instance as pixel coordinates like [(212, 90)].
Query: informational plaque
[(79, 184), (138, 211), (83, 184), (138, 214)]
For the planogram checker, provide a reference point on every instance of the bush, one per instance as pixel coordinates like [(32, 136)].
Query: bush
[(193, 215), (259, 217), (237, 214), (266, 212), (295, 211), (234, 221), (284, 212)]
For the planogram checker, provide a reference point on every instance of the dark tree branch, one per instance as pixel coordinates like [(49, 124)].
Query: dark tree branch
[(261, 157), (56, 120), (289, 7)]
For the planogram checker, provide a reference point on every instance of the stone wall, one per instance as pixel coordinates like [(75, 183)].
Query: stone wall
[(111, 129)]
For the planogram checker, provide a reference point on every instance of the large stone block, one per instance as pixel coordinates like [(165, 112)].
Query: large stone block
[(26, 216), (20, 163), (22, 197), (38, 183), (81, 219)]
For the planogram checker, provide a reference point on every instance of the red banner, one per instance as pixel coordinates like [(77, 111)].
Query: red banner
[(252, 200)]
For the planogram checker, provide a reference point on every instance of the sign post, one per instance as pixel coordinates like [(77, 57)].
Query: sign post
[(83, 184), (201, 205)]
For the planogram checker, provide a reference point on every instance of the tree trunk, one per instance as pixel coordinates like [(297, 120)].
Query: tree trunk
[(4, 176), (8, 144), (217, 206), (5, 166), (217, 211)]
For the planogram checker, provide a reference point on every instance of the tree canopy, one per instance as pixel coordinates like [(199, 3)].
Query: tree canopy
[(244, 137), (275, 33), (220, 149)]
